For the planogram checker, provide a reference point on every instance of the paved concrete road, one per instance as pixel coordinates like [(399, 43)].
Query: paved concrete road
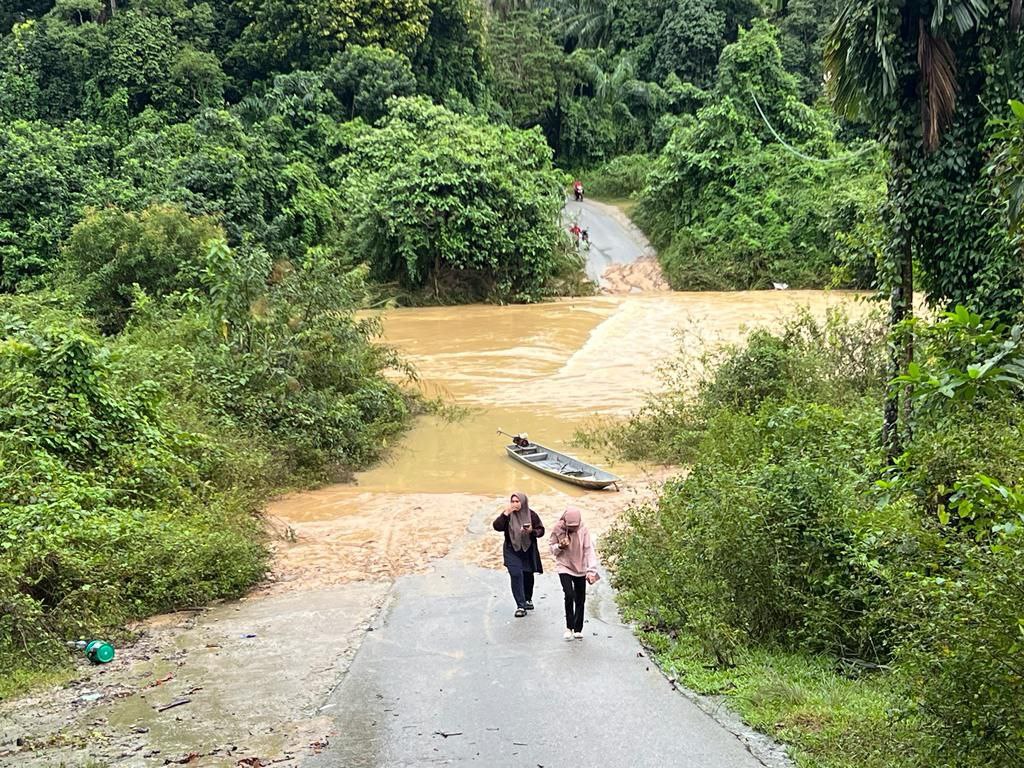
[(447, 657), (611, 242)]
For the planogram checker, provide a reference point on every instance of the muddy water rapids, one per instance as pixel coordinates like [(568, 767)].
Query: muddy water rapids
[(245, 680)]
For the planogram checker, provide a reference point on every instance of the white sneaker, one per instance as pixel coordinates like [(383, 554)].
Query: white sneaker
[(577, 635), (567, 634)]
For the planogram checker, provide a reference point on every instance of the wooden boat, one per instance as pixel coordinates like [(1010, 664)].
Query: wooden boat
[(561, 466)]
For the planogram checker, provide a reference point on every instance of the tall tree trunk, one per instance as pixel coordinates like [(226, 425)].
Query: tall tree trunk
[(891, 413), (901, 351), (907, 342), (900, 270)]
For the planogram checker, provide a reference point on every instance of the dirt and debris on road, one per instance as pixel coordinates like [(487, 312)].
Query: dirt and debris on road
[(243, 680), (641, 276)]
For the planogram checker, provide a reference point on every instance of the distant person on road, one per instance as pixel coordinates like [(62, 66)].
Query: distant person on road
[(577, 190), (576, 566), (522, 528)]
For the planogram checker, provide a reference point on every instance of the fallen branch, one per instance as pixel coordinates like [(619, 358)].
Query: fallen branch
[(173, 704)]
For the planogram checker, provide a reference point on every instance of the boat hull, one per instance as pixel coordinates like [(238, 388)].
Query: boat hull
[(561, 466)]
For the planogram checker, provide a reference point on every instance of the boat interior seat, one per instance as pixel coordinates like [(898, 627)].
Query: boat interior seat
[(540, 456)]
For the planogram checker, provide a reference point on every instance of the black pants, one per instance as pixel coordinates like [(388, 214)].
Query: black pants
[(575, 589), (522, 586)]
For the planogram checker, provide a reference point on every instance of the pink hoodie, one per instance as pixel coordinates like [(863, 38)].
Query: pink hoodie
[(579, 558)]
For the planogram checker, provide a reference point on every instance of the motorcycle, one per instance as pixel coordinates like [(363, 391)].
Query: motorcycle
[(578, 193)]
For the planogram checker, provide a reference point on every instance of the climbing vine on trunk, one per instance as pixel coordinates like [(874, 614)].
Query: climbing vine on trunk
[(924, 75)]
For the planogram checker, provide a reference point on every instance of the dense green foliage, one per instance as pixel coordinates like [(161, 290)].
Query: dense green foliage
[(730, 207), (927, 76), (604, 78), (791, 532), (429, 200), (133, 467), (241, 114), (211, 106), (110, 509), (112, 254)]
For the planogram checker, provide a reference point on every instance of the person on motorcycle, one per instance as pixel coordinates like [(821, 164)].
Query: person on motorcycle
[(577, 190)]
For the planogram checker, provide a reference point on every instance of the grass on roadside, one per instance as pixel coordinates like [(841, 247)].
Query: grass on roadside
[(19, 680), (828, 720), (624, 204)]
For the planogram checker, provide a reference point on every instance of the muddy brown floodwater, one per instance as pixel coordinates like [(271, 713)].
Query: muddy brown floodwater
[(545, 369), (254, 671)]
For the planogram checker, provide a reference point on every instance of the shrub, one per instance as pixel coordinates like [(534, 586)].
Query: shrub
[(624, 176), (758, 543), (433, 195), (106, 511), (961, 656), (278, 354), (110, 252)]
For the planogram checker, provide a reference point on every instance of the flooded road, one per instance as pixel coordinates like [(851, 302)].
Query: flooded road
[(574, 357), (254, 677), (549, 370), (545, 369)]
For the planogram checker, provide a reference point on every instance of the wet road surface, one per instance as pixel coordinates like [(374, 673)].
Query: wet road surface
[(450, 677), (612, 241)]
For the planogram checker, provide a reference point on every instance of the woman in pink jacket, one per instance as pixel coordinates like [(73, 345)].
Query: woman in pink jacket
[(576, 565)]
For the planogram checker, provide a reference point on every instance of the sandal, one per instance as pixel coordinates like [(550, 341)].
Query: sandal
[(520, 612)]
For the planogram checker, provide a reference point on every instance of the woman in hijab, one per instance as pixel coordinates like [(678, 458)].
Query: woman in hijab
[(522, 528), (576, 566)]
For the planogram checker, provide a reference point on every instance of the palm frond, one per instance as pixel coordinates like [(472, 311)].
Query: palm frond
[(966, 14), (882, 47), (938, 75), (859, 65), (625, 70), (591, 22)]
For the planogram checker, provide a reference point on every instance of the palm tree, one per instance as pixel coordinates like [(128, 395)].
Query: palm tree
[(872, 42), (890, 61), (590, 22)]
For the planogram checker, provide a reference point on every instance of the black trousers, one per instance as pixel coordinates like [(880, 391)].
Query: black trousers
[(522, 586), (575, 590)]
